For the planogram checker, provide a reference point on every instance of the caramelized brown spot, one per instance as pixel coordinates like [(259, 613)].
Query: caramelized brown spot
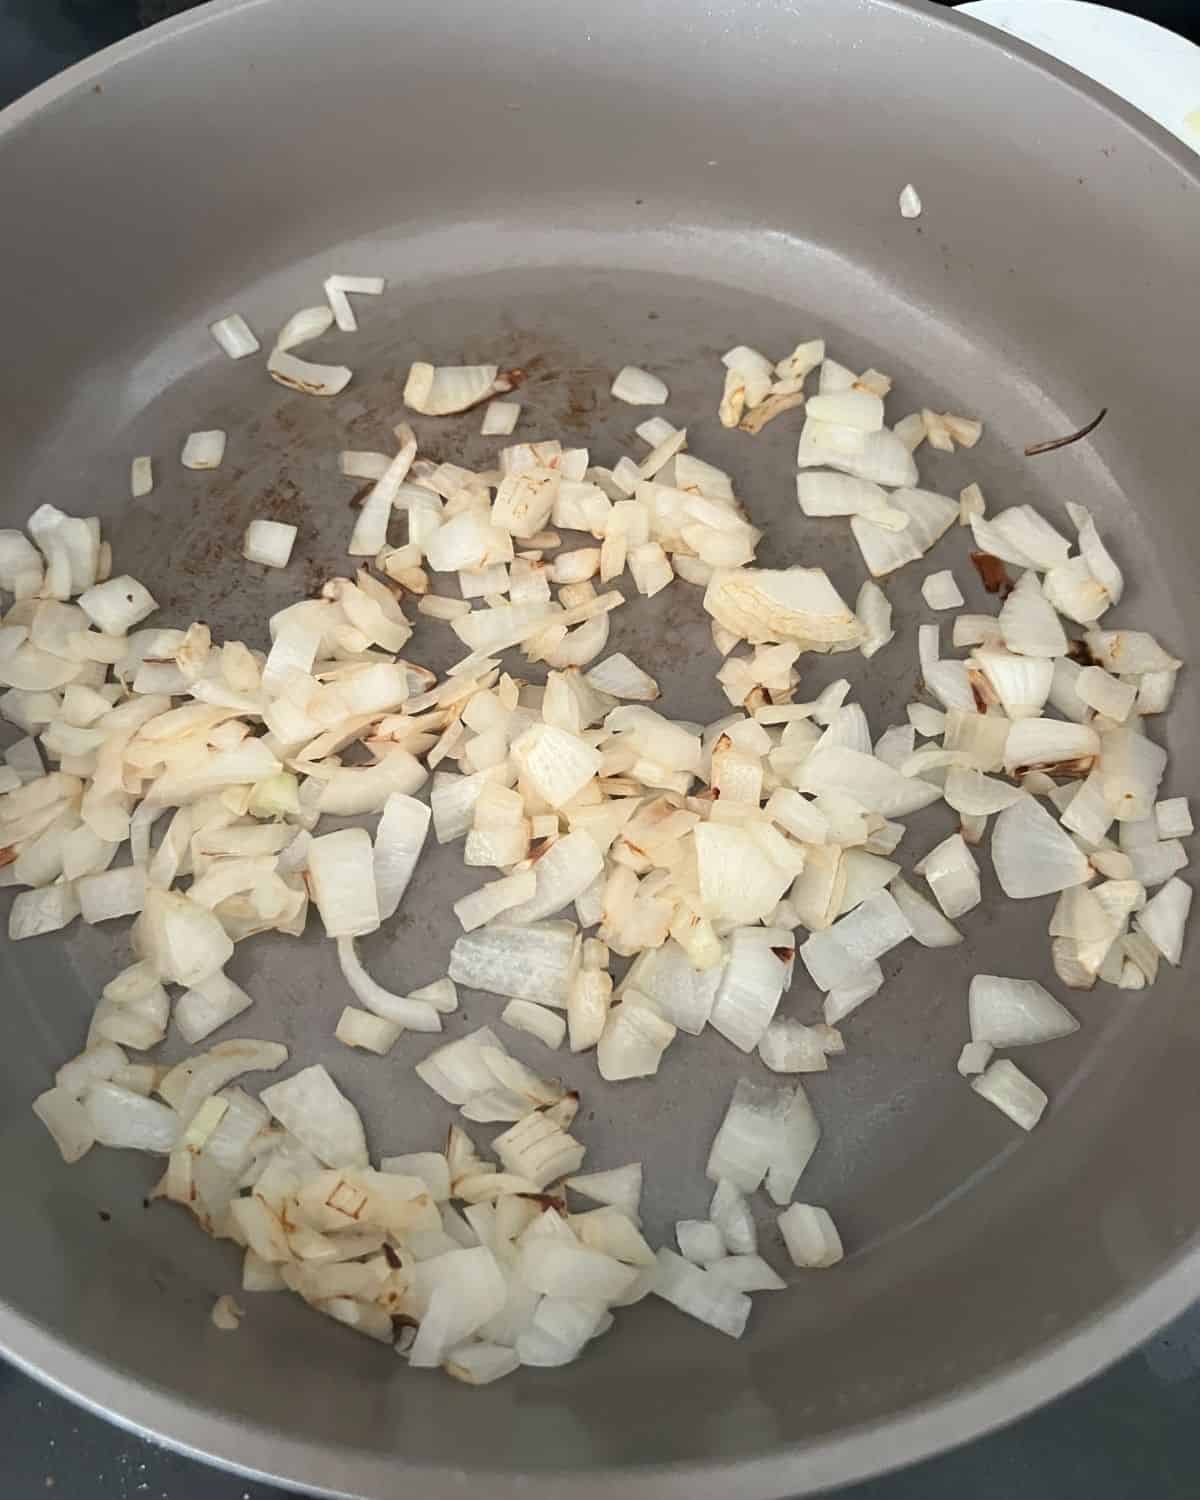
[(992, 573), (784, 955), (1081, 652)]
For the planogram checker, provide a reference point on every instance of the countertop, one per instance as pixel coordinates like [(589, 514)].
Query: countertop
[(1131, 1434)]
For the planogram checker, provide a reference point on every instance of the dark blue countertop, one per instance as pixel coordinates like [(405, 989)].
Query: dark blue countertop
[(1131, 1434)]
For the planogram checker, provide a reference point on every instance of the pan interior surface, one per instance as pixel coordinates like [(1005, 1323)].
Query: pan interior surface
[(570, 197)]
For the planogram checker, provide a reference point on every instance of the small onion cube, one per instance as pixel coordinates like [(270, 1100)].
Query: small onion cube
[(701, 1295), (67, 1121), (360, 1028), (638, 387), (1003, 1084), (203, 450), (974, 1058), (910, 202), (141, 477), (500, 418), (235, 336), (699, 1240), (811, 1236), (526, 1015), (940, 591), (269, 543)]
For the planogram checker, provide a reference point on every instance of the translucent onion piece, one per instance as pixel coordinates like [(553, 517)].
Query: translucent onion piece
[(1003, 1084), (1032, 855), (1016, 1012)]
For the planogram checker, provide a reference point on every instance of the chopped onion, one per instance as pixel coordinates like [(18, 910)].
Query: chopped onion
[(269, 543), (306, 377), (523, 963), (399, 840), (68, 1122), (341, 879), (811, 1237), (940, 591), (1016, 1012), (525, 1015), (974, 1058), (141, 478), (500, 418), (701, 1295), (336, 288), (1003, 1084), (639, 387), (371, 1033), (1163, 919), (910, 202), (117, 605), (953, 875), (439, 391), (235, 336), (1032, 855), (203, 450), (212, 1003), (319, 1115)]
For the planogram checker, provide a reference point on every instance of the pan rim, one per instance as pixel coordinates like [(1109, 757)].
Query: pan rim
[(921, 1431)]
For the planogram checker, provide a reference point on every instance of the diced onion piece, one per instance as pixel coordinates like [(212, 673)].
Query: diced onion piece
[(929, 927), (399, 839), (747, 1273), (638, 387), (128, 1121), (1173, 818), (1003, 1084), (497, 896), (974, 1058), (522, 963), (634, 1039), (760, 604), (1163, 919), (208, 1005), (500, 418), (319, 1115), (732, 1215), (441, 390), (910, 202), (304, 326), (360, 1028), (622, 678), (1016, 1012), (269, 542), (226, 1314), (699, 1240), (203, 450), (940, 591), (180, 940), (811, 1236), (67, 1121), (751, 985), (1032, 855), (336, 288), (111, 893), (525, 1015), (619, 1187), (235, 336), (953, 875), (306, 377), (701, 1295), (117, 605), (787, 1046), (341, 879), (141, 477)]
